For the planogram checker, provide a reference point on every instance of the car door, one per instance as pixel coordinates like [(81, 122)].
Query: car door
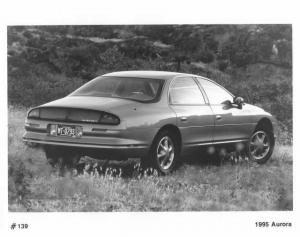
[(195, 118), (231, 122)]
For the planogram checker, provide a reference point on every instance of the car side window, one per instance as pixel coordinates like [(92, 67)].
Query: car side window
[(215, 93), (185, 91)]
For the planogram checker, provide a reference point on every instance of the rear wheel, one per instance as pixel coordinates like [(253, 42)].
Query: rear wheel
[(260, 146), (164, 153)]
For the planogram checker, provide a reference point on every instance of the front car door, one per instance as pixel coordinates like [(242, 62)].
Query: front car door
[(231, 122), (195, 118)]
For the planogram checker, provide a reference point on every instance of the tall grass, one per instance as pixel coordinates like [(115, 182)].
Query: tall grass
[(121, 186)]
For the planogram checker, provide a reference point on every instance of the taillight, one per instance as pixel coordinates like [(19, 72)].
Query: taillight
[(109, 119), (73, 115), (34, 113)]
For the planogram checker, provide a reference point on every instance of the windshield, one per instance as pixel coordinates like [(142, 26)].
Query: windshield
[(139, 89)]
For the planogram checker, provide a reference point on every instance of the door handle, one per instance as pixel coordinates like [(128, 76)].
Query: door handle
[(183, 119), (218, 117)]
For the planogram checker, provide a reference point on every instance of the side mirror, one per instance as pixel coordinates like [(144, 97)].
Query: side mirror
[(227, 103), (239, 101)]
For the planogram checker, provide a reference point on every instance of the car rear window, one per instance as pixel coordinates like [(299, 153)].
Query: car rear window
[(138, 89)]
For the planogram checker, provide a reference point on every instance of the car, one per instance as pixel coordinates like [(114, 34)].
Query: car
[(156, 116)]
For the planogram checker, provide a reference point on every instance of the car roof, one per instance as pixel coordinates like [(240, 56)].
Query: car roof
[(147, 74)]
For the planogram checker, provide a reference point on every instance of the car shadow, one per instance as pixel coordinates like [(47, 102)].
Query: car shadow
[(132, 169)]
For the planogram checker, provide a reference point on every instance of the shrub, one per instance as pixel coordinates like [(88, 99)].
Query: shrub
[(112, 58), (206, 56), (222, 65)]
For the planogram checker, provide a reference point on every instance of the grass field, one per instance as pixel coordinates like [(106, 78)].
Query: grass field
[(35, 186)]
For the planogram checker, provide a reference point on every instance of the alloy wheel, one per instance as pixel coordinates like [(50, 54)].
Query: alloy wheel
[(259, 145), (165, 153)]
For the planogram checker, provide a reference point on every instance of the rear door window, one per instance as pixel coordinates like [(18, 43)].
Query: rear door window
[(185, 91)]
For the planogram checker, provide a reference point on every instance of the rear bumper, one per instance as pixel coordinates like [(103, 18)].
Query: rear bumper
[(97, 146)]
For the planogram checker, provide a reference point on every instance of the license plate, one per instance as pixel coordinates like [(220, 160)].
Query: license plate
[(66, 130)]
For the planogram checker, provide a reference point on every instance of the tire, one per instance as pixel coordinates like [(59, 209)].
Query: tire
[(61, 156), (160, 158), (260, 146)]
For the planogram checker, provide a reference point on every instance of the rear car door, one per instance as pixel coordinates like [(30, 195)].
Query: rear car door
[(231, 122), (195, 118)]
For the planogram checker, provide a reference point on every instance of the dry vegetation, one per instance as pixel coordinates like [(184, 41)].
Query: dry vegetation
[(197, 185)]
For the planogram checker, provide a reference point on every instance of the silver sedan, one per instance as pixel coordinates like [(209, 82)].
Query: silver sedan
[(153, 115)]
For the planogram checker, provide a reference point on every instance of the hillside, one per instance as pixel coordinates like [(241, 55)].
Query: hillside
[(253, 61)]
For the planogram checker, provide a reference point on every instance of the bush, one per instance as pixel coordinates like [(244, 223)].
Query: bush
[(111, 58), (222, 65), (206, 56)]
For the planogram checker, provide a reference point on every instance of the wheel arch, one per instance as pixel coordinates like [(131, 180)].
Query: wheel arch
[(265, 124), (174, 129)]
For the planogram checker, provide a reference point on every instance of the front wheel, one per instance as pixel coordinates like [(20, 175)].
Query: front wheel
[(260, 146), (164, 153)]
